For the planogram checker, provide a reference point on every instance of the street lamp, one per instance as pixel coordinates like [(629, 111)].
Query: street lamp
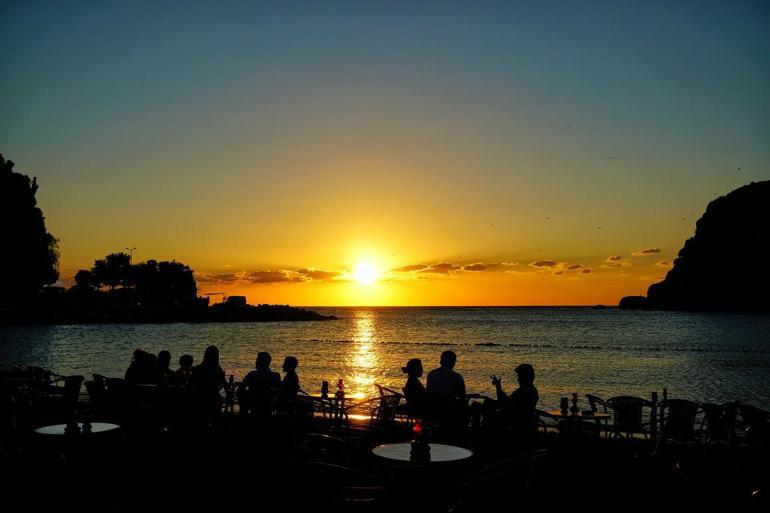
[(130, 254)]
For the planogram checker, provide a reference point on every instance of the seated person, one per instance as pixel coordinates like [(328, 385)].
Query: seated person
[(446, 394), (414, 391), (184, 373), (517, 408), (444, 380), (165, 375), (290, 383), (208, 378), (257, 388), (143, 369)]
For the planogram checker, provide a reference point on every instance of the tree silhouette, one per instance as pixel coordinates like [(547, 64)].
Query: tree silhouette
[(30, 255), (112, 270), (85, 279)]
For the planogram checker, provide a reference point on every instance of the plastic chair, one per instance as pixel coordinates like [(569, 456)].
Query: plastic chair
[(628, 416), (718, 423), (310, 447), (677, 420), (329, 487), (756, 423)]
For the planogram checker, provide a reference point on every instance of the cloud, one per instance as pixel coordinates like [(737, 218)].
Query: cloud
[(262, 277), (664, 263), (204, 277), (558, 273), (544, 263), (586, 271), (319, 275), (476, 267), (615, 261), (645, 252), (573, 267), (442, 268), (268, 276), (410, 268)]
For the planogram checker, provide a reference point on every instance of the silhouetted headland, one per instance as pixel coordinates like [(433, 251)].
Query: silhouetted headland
[(723, 267), (114, 290)]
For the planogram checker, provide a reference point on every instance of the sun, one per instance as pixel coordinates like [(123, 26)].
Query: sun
[(365, 273)]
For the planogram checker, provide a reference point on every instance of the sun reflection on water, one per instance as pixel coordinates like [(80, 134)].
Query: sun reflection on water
[(363, 358)]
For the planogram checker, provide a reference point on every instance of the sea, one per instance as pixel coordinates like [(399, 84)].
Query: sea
[(713, 357)]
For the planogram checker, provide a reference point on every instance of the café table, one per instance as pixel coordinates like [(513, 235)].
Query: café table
[(439, 453), (584, 415), (59, 429)]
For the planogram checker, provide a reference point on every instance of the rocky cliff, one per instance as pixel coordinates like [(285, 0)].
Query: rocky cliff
[(726, 265)]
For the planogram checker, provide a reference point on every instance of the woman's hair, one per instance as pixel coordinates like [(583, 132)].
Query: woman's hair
[(412, 364), (290, 362), (211, 356)]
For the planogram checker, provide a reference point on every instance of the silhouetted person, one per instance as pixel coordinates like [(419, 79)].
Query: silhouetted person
[(290, 383), (165, 375), (143, 369), (414, 391), (208, 378), (446, 395), (256, 390), (185, 370), (517, 408), (444, 380)]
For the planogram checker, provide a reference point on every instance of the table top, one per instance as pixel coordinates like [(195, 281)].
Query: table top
[(561, 415), (58, 429), (438, 452)]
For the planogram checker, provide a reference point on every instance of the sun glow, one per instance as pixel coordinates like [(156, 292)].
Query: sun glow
[(365, 273)]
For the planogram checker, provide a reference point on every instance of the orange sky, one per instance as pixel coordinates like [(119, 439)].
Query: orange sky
[(274, 148)]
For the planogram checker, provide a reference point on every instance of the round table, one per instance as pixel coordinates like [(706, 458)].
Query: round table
[(438, 452), (58, 429)]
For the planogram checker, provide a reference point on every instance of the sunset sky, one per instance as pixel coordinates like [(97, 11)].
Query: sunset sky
[(472, 153)]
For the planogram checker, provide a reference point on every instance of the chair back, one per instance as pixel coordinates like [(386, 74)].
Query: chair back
[(719, 422), (627, 413), (594, 401), (384, 413), (330, 487), (677, 418)]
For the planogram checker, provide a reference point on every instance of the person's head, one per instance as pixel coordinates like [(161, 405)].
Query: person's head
[(448, 359), (263, 360), (185, 361), (138, 355), (413, 368), (525, 373), (164, 359), (211, 356), (290, 364)]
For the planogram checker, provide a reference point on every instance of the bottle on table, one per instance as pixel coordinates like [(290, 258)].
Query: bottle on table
[(324, 389), (574, 410), (340, 389)]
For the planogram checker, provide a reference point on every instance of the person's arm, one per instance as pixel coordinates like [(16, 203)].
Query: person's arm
[(498, 388), (462, 387)]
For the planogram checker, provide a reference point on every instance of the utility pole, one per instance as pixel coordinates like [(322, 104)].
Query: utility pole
[(130, 254)]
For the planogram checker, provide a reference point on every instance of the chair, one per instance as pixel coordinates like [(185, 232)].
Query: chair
[(628, 416), (677, 421), (310, 447), (756, 423), (385, 409), (595, 402), (718, 423), (329, 487)]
